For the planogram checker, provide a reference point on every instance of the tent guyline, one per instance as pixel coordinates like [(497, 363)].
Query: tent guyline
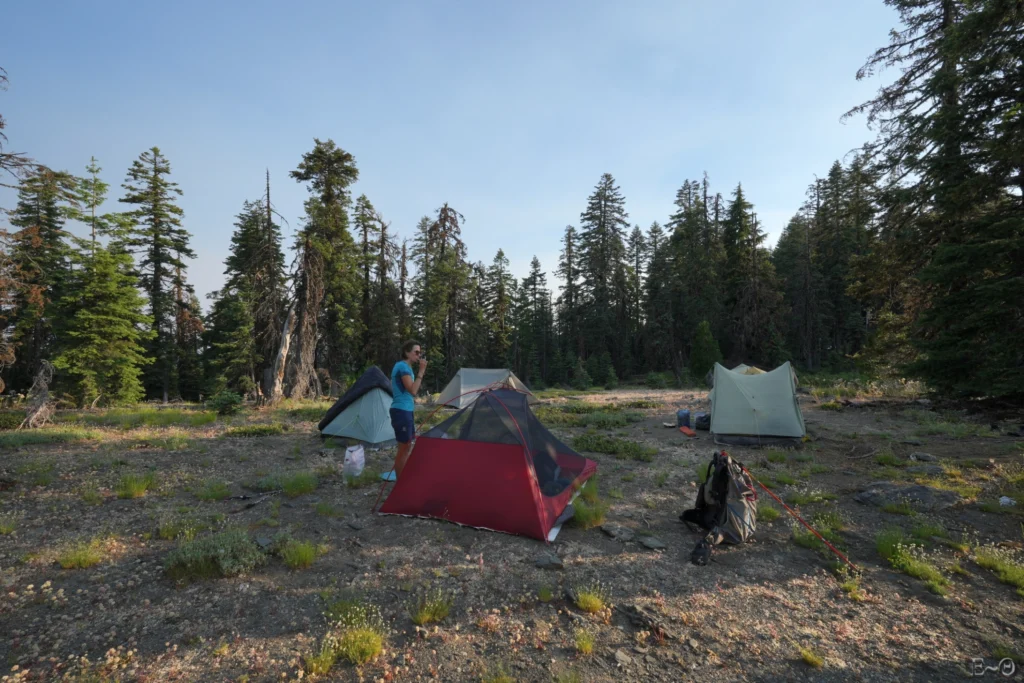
[(801, 520)]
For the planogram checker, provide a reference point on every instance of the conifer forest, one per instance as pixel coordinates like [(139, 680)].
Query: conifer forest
[(905, 259)]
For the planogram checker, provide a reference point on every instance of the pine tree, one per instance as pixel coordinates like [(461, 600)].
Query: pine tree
[(103, 334), (601, 257), (157, 236), (40, 264), (368, 229), (659, 331), (705, 352), (569, 301), (499, 296), (951, 209), (91, 194), (330, 171)]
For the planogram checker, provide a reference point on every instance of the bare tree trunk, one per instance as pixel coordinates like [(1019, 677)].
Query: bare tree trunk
[(276, 389)]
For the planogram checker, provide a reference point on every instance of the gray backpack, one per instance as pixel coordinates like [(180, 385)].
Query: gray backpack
[(726, 506)]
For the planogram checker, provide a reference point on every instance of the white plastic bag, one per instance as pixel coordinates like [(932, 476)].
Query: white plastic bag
[(355, 461)]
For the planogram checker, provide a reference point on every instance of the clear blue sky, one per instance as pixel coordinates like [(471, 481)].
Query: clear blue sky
[(509, 111)]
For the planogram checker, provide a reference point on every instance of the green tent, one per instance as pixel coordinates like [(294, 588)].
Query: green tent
[(362, 413), (756, 410)]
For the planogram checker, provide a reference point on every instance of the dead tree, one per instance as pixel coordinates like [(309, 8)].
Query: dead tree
[(40, 409), (310, 296)]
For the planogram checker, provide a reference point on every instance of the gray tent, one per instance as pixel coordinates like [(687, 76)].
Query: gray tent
[(756, 409), (468, 383), (362, 413)]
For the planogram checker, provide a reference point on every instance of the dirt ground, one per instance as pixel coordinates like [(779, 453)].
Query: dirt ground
[(744, 616)]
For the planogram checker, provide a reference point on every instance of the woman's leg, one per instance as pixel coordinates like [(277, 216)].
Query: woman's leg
[(404, 449)]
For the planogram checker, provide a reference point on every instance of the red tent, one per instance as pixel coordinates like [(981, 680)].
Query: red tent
[(492, 465)]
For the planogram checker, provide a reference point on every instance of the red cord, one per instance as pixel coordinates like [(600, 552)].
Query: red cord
[(800, 519)]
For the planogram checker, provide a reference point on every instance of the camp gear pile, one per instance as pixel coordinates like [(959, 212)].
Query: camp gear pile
[(726, 506)]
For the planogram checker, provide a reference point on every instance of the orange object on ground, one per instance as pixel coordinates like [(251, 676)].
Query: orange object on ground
[(687, 431)]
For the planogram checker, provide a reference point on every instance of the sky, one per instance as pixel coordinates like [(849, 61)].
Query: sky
[(508, 111)]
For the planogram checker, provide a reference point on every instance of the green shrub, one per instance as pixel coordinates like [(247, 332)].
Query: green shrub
[(580, 377), (229, 553), (831, 405), (257, 430), (46, 435), (213, 490), (620, 448), (705, 352), (11, 420), (226, 403), (299, 483), (368, 477), (656, 380), (130, 418)]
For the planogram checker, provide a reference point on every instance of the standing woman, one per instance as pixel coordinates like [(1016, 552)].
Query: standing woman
[(404, 389)]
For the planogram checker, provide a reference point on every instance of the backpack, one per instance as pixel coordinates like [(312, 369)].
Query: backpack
[(726, 507)]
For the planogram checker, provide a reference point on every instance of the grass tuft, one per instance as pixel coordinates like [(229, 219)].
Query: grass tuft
[(46, 435), (768, 514), (213, 490), (368, 477), (299, 483), (81, 555), (810, 657), (591, 597), (584, 641), (545, 594), (1009, 570), (8, 525), (587, 515), (775, 456), (299, 554), (808, 497), (902, 507), (430, 607), (135, 485)]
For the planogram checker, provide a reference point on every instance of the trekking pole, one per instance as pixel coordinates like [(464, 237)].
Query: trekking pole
[(801, 520)]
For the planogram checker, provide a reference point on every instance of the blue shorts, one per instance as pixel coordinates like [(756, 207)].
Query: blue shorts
[(404, 425)]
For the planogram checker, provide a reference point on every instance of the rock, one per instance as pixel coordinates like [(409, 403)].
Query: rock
[(622, 658), (617, 531), (923, 457), (264, 542), (924, 498), (923, 402), (548, 560), (913, 442), (926, 469), (641, 650), (327, 452), (356, 525), (692, 643), (652, 543)]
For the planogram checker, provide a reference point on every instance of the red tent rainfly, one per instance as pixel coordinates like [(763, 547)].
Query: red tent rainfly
[(492, 465)]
